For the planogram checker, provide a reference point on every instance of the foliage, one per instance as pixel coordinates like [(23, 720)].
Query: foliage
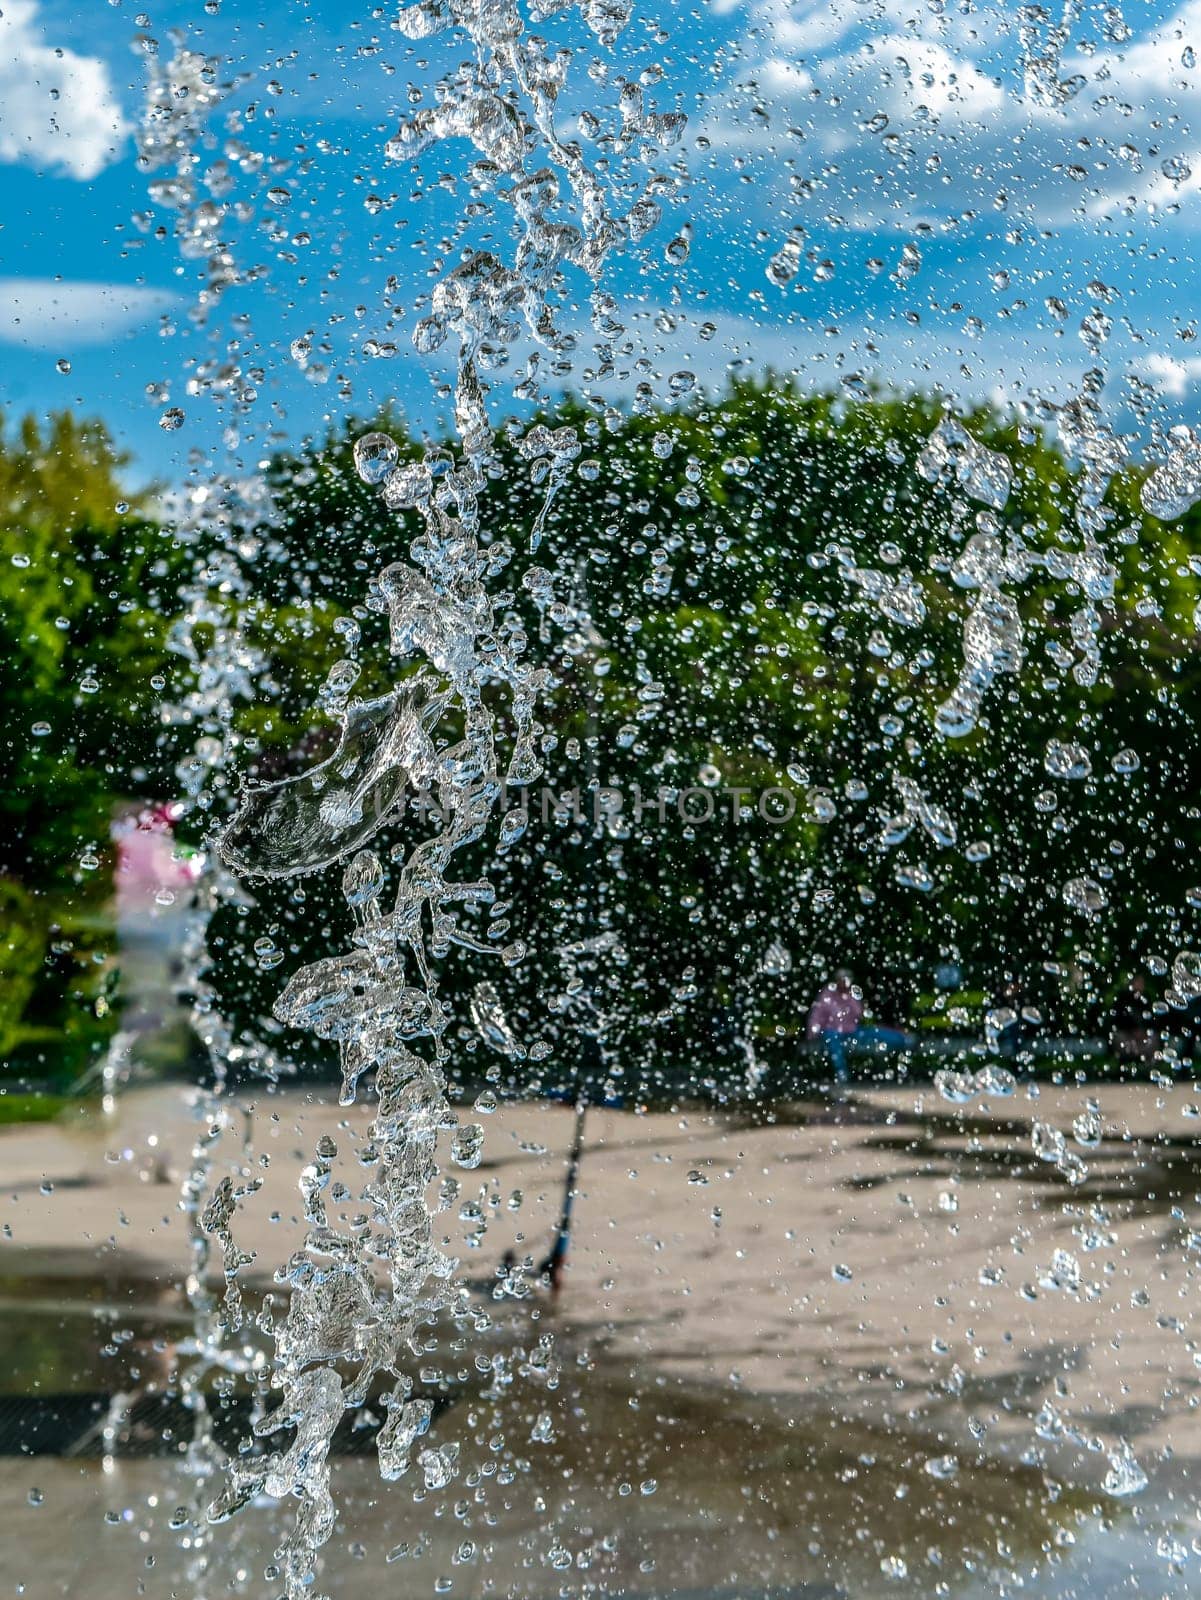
[(85, 592), (30, 1107), (709, 632), (735, 649)]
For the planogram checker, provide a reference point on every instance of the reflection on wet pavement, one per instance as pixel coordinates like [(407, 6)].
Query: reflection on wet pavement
[(606, 1480), (873, 1348)]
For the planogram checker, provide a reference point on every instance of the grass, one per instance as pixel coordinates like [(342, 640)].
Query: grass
[(24, 1107)]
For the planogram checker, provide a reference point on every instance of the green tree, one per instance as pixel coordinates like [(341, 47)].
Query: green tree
[(714, 632), (86, 586), (716, 625)]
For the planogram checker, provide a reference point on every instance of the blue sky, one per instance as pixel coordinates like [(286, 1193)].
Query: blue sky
[(1021, 195)]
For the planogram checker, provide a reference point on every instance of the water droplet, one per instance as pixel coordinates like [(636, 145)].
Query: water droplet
[(1186, 974), (375, 456), (996, 1081), (1125, 1476), (1174, 486), (1085, 895), (956, 1087), (1065, 759), (1049, 1144), (467, 1146), (1086, 1129), (268, 955), (951, 454)]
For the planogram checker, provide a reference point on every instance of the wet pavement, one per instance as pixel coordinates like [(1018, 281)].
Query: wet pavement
[(879, 1347)]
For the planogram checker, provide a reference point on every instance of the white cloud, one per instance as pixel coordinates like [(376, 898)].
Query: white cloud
[(906, 77), (57, 109), (1170, 376), (46, 314), (926, 112)]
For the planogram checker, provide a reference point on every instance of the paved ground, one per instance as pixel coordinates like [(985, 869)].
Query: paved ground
[(836, 1343)]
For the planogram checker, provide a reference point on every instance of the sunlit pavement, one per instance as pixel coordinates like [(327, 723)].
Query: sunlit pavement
[(872, 1346)]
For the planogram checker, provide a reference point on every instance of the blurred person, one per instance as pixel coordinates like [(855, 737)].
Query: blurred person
[(153, 882), (151, 868), (1134, 1035), (1006, 1024), (836, 1019)]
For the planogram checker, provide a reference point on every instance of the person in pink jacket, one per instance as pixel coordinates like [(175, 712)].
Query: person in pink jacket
[(836, 1019)]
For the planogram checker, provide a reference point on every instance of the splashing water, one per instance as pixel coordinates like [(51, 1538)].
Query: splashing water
[(211, 640), (357, 1294)]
